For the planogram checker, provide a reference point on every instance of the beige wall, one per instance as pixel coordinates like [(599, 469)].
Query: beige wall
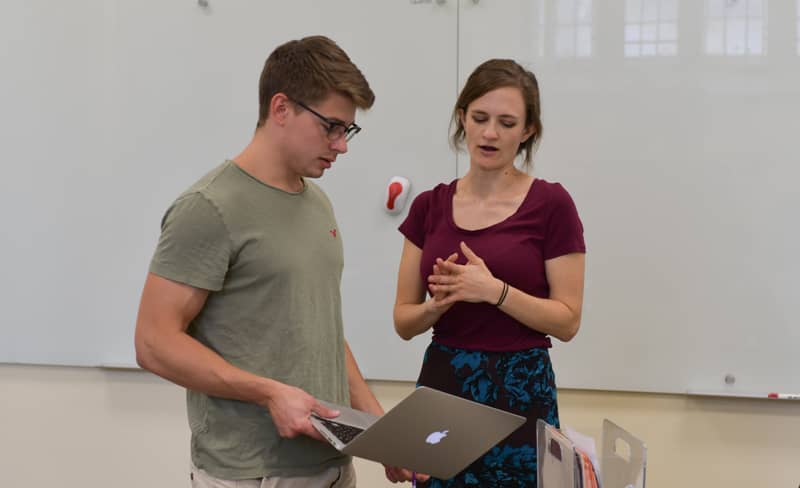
[(97, 428)]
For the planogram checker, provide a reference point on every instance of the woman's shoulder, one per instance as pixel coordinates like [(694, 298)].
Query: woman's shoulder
[(436, 194), (555, 201), (550, 190)]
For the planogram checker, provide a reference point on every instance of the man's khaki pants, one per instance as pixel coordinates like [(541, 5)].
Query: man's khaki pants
[(337, 477)]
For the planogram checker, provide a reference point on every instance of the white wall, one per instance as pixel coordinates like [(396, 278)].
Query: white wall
[(87, 427)]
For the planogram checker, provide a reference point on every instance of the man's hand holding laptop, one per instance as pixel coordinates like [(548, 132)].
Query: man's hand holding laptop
[(291, 409)]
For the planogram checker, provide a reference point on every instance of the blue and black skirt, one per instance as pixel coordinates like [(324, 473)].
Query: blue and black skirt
[(521, 382)]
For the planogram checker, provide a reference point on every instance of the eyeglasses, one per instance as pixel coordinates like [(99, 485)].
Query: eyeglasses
[(335, 128)]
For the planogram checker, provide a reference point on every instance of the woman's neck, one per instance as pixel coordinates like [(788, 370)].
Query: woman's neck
[(483, 184)]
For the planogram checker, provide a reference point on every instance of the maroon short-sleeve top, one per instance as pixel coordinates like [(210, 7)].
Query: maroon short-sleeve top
[(545, 226)]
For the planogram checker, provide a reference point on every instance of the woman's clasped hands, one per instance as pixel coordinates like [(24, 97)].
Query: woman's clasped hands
[(471, 282)]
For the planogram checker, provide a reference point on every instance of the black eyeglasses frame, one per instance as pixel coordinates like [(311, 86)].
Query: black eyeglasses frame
[(335, 129)]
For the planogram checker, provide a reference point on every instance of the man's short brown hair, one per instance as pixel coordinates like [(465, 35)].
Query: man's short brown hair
[(307, 70)]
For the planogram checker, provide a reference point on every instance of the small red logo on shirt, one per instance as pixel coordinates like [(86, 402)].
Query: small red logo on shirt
[(333, 233)]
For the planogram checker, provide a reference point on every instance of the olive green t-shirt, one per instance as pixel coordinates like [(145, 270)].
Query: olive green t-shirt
[(272, 261)]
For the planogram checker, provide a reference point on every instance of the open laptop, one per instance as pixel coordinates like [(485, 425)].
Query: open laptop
[(430, 432)]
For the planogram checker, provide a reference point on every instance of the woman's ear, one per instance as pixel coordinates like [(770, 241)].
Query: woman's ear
[(529, 132)]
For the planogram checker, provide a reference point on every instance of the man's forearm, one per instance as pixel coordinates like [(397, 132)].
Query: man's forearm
[(361, 397)]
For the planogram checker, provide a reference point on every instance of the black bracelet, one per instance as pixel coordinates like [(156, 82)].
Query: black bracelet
[(502, 295)]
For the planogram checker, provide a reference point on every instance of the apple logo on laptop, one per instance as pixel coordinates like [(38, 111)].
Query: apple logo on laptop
[(436, 437)]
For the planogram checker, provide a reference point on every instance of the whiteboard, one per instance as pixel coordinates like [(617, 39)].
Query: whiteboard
[(678, 144), (111, 109), (682, 166)]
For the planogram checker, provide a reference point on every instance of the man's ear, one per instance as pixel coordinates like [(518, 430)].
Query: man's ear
[(279, 108)]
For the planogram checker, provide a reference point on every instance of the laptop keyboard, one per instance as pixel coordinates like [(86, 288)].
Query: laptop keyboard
[(344, 433)]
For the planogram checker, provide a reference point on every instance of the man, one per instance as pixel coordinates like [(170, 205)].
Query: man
[(242, 302)]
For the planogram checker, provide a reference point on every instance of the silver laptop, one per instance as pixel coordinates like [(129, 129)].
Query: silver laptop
[(430, 432)]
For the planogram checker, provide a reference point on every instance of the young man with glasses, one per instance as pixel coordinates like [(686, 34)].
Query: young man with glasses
[(242, 300)]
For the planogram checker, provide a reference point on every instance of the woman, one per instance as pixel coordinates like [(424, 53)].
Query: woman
[(502, 255)]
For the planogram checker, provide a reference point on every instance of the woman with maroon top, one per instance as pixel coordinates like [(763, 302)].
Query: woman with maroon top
[(501, 254)]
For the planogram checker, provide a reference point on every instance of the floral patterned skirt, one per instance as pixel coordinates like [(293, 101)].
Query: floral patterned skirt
[(521, 382)]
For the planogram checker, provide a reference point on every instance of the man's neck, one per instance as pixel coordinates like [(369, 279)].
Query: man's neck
[(263, 160)]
